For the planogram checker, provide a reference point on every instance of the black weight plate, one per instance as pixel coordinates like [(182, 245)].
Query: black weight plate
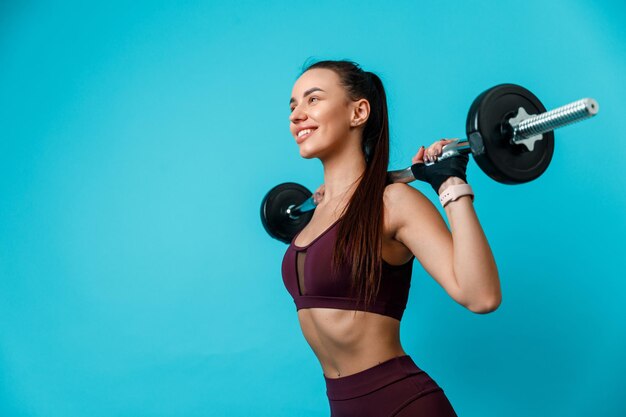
[(494, 154), (274, 207)]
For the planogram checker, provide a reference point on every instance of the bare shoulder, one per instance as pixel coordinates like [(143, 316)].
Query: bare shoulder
[(404, 204), (400, 198), (399, 191)]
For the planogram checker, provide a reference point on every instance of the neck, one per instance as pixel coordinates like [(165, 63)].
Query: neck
[(342, 173)]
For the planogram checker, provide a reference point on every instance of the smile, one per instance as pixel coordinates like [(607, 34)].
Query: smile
[(304, 134)]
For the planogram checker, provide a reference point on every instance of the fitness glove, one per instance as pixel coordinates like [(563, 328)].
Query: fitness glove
[(441, 170)]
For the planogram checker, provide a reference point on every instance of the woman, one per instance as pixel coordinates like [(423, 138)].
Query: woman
[(349, 269)]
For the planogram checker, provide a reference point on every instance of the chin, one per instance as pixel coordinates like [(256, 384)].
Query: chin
[(307, 155), (315, 149), (307, 152)]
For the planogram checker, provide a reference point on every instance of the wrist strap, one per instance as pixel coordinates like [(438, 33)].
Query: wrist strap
[(454, 192)]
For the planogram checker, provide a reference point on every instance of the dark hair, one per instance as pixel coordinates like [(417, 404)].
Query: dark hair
[(359, 238)]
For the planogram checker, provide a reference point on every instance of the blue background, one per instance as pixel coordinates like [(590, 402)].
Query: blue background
[(137, 140)]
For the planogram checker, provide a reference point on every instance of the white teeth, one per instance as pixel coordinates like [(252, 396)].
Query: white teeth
[(304, 132)]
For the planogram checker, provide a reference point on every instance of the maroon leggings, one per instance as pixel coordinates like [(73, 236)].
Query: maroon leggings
[(396, 387)]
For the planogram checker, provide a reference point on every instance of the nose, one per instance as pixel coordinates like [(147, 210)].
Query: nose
[(297, 115)]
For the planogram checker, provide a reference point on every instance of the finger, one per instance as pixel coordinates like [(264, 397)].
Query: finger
[(419, 156), (438, 146), (425, 155), (444, 142), (436, 149), (431, 153), (319, 193)]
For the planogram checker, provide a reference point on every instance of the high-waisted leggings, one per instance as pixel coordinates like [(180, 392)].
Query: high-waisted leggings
[(396, 387)]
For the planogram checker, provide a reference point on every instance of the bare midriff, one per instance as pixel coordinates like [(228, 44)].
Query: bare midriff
[(346, 342)]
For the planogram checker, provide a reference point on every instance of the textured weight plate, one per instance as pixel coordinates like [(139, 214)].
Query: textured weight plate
[(274, 207), (489, 138)]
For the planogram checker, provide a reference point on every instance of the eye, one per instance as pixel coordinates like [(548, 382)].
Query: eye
[(313, 98)]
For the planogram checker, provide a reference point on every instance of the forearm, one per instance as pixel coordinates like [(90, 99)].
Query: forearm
[(473, 262)]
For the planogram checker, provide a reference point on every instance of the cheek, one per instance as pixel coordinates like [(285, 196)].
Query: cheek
[(338, 127), (334, 124), (332, 119)]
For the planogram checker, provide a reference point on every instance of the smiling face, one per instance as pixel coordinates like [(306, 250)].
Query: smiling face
[(323, 117)]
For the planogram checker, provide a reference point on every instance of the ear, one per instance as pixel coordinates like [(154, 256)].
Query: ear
[(360, 112)]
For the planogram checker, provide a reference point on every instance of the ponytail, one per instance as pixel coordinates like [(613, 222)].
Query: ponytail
[(359, 236)]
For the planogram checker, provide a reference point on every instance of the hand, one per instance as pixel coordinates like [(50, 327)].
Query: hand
[(438, 174), (318, 195), (431, 154)]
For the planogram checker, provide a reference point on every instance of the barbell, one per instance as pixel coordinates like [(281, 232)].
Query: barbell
[(509, 133)]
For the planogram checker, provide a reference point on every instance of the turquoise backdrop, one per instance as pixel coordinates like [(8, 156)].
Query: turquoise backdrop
[(137, 140)]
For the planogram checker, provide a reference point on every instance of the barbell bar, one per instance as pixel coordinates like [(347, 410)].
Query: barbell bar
[(509, 133)]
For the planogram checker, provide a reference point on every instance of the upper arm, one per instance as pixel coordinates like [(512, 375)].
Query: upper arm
[(418, 225)]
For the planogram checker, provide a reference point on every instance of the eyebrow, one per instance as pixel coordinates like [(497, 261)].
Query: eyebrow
[(306, 93)]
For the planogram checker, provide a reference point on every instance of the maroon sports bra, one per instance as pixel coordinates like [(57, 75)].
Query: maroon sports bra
[(308, 276)]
